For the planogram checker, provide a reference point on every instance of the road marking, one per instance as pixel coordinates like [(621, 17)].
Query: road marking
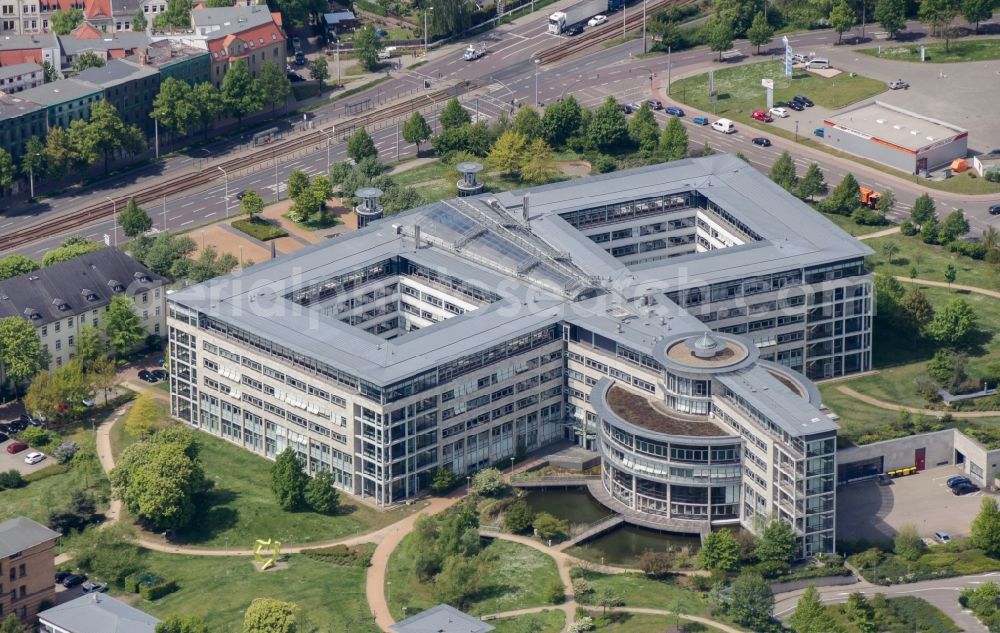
[(208, 215), (5, 225), (186, 223), (187, 204)]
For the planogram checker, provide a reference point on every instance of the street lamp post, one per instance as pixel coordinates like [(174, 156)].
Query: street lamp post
[(227, 189), (537, 62), (512, 469), (429, 9), (31, 175), (644, 51), (468, 484), (114, 214), (329, 139)]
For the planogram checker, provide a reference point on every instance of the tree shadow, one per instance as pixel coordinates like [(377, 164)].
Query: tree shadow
[(212, 517)]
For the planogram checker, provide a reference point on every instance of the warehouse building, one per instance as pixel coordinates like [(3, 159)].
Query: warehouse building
[(895, 137), (459, 334)]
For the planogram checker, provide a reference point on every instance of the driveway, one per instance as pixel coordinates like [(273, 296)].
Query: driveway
[(16, 462), (866, 510)]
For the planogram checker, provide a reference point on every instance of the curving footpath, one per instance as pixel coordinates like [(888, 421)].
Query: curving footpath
[(889, 406), (941, 284)]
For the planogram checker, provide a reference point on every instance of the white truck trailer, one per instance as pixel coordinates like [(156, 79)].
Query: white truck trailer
[(474, 51), (562, 20)]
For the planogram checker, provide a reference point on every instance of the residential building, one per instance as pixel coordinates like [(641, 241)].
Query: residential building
[(88, 38), (24, 49), (130, 88), (59, 300), (20, 119), (895, 137), (461, 332), (442, 619), (95, 613), (18, 77), (339, 21), (63, 100), (176, 60), (27, 566)]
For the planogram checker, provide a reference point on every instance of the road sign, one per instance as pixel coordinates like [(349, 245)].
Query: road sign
[(767, 83), (711, 82)]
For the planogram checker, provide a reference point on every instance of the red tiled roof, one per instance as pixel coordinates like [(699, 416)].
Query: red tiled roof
[(97, 8), (87, 32), (276, 16), (28, 55), (251, 36), (117, 53)]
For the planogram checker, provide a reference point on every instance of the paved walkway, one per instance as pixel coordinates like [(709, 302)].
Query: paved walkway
[(941, 284), (882, 404), (883, 233)]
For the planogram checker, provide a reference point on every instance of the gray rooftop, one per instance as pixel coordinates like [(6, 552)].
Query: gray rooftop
[(217, 21), (442, 619), (338, 16), (119, 40), (19, 69), (98, 613), (898, 126), (114, 73), (22, 533), (15, 105), (60, 91), (69, 284), (27, 42)]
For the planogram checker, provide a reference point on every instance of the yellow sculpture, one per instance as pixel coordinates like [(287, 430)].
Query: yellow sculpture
[(272, 547)]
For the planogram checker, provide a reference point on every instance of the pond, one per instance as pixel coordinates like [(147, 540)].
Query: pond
[(576, 507)]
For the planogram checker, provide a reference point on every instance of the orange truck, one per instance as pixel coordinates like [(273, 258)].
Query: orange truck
[(868, 197)]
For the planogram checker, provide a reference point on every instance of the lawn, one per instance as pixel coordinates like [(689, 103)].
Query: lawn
[(847, 224), (515, 579), (543, 622), (905, 615), (50, 488), (621, 622), (970, 51), (260, 229), (739, 90), (221, 588), (241, 507), (931, 261), (638, 591)]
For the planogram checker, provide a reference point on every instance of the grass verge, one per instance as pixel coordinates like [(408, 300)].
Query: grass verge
[(260, 229), (970, 51), (542, 622), (620, 622), (907, 613), (639, 591)]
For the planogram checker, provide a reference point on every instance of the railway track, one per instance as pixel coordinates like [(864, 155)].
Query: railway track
[(579, 44), (68, 222)]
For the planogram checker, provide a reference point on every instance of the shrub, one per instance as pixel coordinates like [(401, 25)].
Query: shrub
[(604, 163), (992, 174), (518, 517), (11, 479), (157, 591), (582, 588), (554, 592), (548, 526), (36, 437), (908, 228), (488, 482), (66, 451), (354, 556), (656, 564)]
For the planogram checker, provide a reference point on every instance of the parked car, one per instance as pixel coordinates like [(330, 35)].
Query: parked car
[(673, 111), (654, 104), (16, 426), (818, 62), (627, 108), (381, 32), (762, 141), (819, 132), (724, 125), (597, 20), (778, 111), (88, 402), (16, 447), (898, 84), (964, 489), (943, 537), (804, 100), (635, 105), (700, 120), (5, 427), (61, 576), (798, 58), (798, 106), (4, 437), (146, 375), (957, 480), (159, 374), (300, 59), (995, 209), (760, 115), (32, 420), (94, 587), (73, 580), (33, 458), (576, 29)]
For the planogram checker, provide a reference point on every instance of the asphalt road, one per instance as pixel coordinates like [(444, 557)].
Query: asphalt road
[(511, 75)]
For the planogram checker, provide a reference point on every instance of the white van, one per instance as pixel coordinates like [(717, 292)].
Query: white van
[(724, 125), (818, 62)]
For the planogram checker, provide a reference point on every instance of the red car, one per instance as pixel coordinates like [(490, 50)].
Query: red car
[(16, 447), (760, 115)]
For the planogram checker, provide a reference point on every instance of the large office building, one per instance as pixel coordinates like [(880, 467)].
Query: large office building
[(666, 316)]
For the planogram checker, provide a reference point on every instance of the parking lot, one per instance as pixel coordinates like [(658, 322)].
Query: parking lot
[(866, 510), (16, 462)]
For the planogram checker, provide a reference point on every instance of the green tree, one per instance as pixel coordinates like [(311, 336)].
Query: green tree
[(890, 249), (158, 480), (673, 141), (145, 416), (88, 59), (975, 11), (950, 273), (450, 17), (917, 310), (891, 14), (63, 22), (842, 19), (548, 526), (288, 480), (537, 166), (953, 227), (275, 85), (908, 544), (33, 160), (416, 130), (528, 123), (58, 393), (453, 115), (138, 22), (14, 265), (719, 552), (241, 95), (488, 482), (103, 373), (751, 602), (953, 323), (457, 583), (810, 615), (165, 254), (561, 120), (812, 183), (608, 128), (886, 203), (861, 613), (66, 252), (21, 351), (7, 170), (209, 104), (844, 197), (923, 210), (59, 153), (607, 598), (777, 543), (760, 31), (178, 624), (134, 220), (361, 146), (366, 48), (121, 324), (720, 35), (320, 494), (319, 71), (176, 15), (174, 107), (106, 130), (267, 615), (444, 480), (986, 528), (209, 265), (643, 129), (783, 172), (251, 204), (508, 153), (298, 182), (12, 624), (83, 144), (518, 517), (938, 16)]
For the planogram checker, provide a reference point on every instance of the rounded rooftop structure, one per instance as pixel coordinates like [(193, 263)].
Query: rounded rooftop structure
[(469, 185), (369, 210), (705, 353)]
